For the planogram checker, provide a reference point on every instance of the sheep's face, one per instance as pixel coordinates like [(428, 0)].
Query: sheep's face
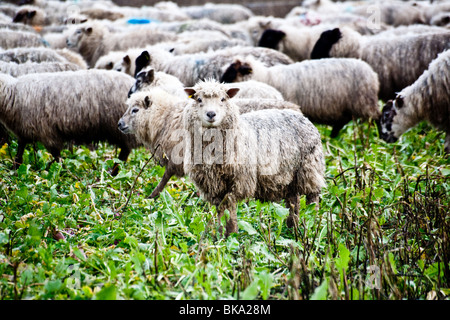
[(212, 106), (390, 130), (77, 35), (136, 105), (143, 79), (236, 72)]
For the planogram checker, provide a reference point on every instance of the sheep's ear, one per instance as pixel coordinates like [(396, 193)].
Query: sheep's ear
[(142, 61), (31, 14), (245, 69), (127, 60), (149, 76), (399, 102), (83, 20), (147, 102), (18, 17), (109, 66), (232, 92), (190, 92)]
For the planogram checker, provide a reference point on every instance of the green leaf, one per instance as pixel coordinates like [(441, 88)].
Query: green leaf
[(321, 291), (251, 291), (247, 227), (108, 292), (344, 258)]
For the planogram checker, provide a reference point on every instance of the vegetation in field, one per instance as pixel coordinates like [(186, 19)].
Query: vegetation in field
[(68, 230)]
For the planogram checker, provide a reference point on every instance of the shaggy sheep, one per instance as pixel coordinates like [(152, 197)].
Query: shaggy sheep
[(93, 40), (269, 155), (222, 13), (398, 61), (155, 117), (21, 55), (147, 77), (426, 99), (329, 91), (13, 39), (190, 68), (16, 70), (73, 106)]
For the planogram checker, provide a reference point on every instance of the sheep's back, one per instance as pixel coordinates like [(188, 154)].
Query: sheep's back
[(83, 106)]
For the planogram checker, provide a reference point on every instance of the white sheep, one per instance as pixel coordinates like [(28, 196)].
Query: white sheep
[(155, 117), (13, 39), (93, 40), (190, 68), (72, 106), (269, 155), (426, 99), (329, 91), (16, 70), (398, 61)]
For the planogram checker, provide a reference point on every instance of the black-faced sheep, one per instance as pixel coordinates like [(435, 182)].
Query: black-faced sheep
[(73, 106), (190, 68), (269, 155), (398, 61), (155, 117), (328, 91), (148, 78), (428, 98)]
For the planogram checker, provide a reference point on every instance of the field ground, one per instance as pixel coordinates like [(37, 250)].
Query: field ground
[(68, 231)]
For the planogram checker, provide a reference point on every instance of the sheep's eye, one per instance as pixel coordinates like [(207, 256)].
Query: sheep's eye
[(199, 100), (78, 31), (134, 110), (223, 99)]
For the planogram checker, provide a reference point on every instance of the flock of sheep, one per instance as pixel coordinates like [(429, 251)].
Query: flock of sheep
[(218, 94)]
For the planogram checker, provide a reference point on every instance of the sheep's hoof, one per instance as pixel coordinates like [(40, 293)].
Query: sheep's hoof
[(115, 170), (292, 221)]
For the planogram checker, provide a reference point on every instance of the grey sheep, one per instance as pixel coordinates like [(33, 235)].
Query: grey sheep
[(190, 68), (427, 99), (398, 61), (17, 70), (93, 40), (72, 106), (155, 117), (13, 39), (21, 55), (328, 91), (269, 155)]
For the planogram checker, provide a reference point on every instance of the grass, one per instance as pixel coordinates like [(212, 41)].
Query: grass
[(381, 232)]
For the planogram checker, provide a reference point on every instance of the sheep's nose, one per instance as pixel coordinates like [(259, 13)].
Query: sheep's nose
[(121, 124), (211, 114)]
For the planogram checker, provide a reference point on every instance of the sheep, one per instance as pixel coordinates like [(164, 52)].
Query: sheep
[(426, 99), (72, 106), (93, 40), (12, 39), (16, 70), (269, 155), (146, 77), (222, 13), (34, 16), (155, 117), (21, 55), (329, 91), (398, 61), (190, 68), (72, 57)]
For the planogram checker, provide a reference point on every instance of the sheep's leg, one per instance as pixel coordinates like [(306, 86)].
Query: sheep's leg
[(231, 224), (19, 155), (165, 178), (292, 203), (123, 156), (337, 127), (447, 143)]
